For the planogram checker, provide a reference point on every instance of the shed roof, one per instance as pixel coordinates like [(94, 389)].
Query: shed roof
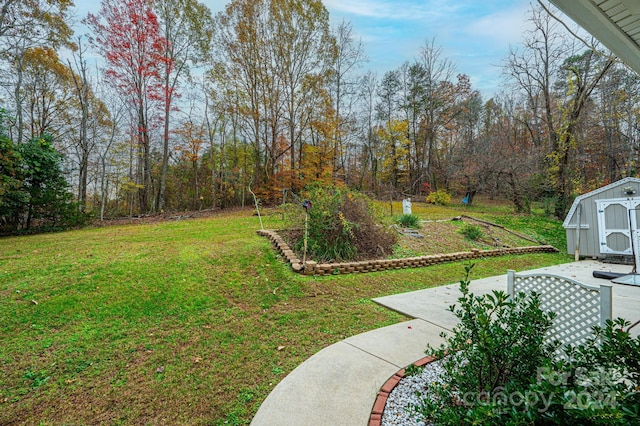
[(579, 198)]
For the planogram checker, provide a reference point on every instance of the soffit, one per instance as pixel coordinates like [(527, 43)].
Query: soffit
[(616, 23)]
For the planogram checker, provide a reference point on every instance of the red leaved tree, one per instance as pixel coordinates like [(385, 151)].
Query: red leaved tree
[(128, 35)]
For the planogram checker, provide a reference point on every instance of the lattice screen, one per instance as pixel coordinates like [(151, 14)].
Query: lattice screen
[(578, 307)]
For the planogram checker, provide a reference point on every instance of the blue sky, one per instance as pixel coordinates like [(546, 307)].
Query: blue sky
[(474, 34)]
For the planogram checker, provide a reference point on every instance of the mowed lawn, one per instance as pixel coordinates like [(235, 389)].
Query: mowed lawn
[(183, 322)]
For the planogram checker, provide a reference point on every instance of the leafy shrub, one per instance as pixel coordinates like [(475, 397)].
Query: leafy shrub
[(413, 370), (498, 341), (408, 221), (34, 193), (341, 226), (498, 369), (471, 232), (440, 197)]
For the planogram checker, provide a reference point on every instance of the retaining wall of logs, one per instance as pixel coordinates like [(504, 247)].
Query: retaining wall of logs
[(314, 268)]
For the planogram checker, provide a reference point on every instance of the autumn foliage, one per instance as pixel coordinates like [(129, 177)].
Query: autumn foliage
[(187, 109)]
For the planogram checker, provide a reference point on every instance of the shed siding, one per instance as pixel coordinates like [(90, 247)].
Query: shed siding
[(589, 236), (588, 244)]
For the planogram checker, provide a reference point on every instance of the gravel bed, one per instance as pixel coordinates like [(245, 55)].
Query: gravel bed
[(410, 391)]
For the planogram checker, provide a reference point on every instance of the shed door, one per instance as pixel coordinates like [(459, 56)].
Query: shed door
[(613, 224)]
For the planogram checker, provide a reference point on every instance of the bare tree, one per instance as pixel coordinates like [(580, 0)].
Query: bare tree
[(549, 73), (349, 56), (187, 26)]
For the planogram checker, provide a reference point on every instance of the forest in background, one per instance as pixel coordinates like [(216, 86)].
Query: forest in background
[(186, 110)]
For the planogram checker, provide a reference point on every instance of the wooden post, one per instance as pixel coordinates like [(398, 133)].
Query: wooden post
[(306, 233)]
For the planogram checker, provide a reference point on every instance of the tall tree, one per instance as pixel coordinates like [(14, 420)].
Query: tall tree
[(343, 82), (388, 113), (90, 119), (303, 47), (274, 65), (367, 102), (127, 33), (437, 75), (24, 25), (243, 65), (82, 95), (548, 62), (46, 91), (187, 26), (584, 71)]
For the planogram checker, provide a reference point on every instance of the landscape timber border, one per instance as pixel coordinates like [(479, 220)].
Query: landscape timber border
[(314, 268)]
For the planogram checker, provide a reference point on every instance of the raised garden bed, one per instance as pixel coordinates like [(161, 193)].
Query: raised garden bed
[(311, 267)]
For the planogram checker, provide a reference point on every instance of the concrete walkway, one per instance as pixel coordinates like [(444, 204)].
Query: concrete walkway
[(339, 384)]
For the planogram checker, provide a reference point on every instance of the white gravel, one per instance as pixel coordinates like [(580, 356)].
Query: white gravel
[(411, 390)]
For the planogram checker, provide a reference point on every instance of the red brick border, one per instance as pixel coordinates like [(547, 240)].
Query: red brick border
[(314, 268), (381, 400)]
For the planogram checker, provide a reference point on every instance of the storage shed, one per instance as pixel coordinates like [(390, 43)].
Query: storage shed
[(602, 223)]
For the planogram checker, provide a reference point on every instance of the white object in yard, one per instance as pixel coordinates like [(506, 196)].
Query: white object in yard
[(406, 206)]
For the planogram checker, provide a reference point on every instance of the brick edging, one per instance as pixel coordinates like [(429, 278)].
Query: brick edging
[(375, 419), (314, 268)]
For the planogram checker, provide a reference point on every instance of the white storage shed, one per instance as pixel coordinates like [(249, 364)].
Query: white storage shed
[(603, 223)]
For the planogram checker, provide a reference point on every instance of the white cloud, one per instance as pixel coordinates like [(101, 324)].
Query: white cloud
[(502, 28), (393, 10)]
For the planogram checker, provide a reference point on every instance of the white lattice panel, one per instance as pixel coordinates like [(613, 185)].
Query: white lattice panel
[(578, 307)]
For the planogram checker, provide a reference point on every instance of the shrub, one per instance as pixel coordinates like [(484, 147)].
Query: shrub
[(498, 369), (34, 193), (440, 197), (408, 221), (341, 226), (498, 341), (471, 232)]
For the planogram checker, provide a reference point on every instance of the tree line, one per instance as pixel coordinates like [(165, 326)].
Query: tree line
[(187, 110)]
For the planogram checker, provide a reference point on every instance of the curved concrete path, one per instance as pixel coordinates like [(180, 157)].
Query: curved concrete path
[(339, 384)]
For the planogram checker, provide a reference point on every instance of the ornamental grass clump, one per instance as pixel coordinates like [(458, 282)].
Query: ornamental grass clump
[(408, 221), (472, 232)]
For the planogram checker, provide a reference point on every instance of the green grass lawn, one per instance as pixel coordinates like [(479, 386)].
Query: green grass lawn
[(182, 322)]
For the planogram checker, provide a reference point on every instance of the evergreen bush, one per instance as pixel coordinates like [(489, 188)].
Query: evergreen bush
[(34, 193)]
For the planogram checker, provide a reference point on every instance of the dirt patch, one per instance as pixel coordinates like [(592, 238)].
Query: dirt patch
[(168, 216), (446, 237)]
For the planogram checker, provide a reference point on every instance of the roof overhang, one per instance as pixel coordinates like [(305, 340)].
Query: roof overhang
[(616, 23)]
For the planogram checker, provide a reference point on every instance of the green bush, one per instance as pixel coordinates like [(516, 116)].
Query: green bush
[(34, 193), (440, 197), (341, 226), (408, 221), (498, 370), (471, 232)]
